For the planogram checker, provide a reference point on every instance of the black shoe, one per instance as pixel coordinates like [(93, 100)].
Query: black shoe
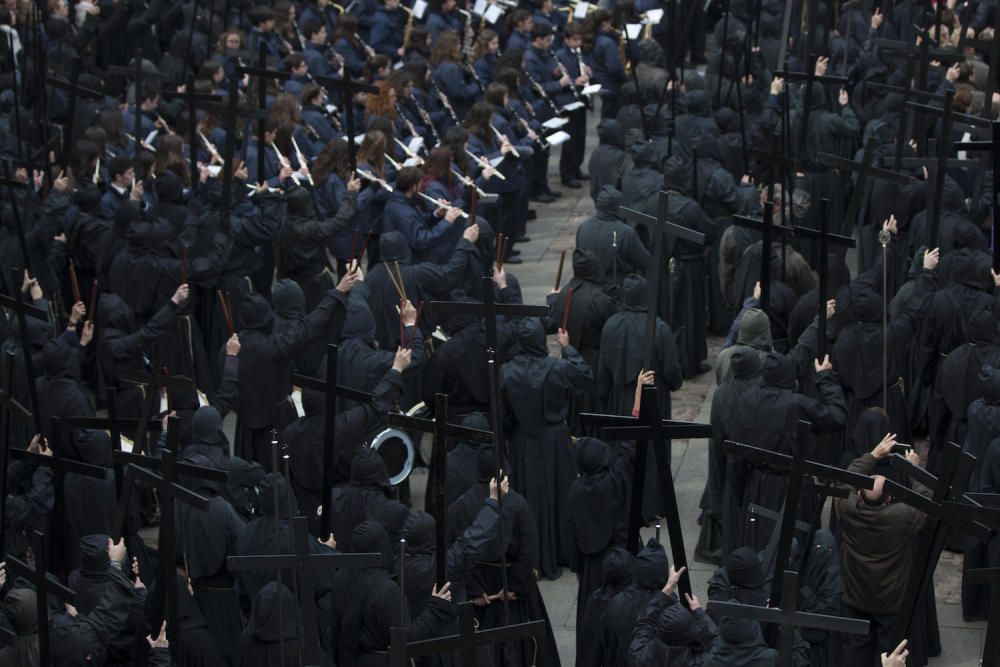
[(572, 183), (532, 214), (555, 194), (514, 251), (582, 177), (704, 367), (523, 239), (513, 259), (543, 198)]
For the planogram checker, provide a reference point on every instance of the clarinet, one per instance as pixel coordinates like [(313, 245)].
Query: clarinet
[(541, 91), (409, 125), (444, 100), (540, 138), (475, 76), (326, 112), (565, 73), (427, 120)]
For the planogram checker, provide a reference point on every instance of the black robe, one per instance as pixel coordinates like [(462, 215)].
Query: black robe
[(617, 572), (649, 575), (616, 244), (536, 390), (368, 496), (272, 635)]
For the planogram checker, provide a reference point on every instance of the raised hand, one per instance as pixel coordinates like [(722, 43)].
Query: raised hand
[(401, 361), (826, 365), (884, 448), (444, 593)]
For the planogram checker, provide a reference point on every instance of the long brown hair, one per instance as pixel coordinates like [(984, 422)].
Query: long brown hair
[(333, 159), (477, 121), (170, 155), (438, 168), (448, 47), (381, 104), (482, 46), (372, 151), (285, 109)]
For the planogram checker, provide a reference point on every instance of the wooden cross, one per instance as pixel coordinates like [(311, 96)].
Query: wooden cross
[(348, 88), (660, 227), (191, 103), (15, 211), (233, 111), (993, 146), (908, 94), (465, 642), (442, 430), (162, 474), (9, 406), (786, 616), (263, 75), (74, 89), (24, 310), (302, 562), (798, 466), (153, 382), (45, 585), (650, 427), (331, 448), (138, 76)]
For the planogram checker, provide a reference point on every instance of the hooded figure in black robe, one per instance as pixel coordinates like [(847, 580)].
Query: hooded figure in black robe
[(20, 431), (462, 473), (265, 641), (422, 282), (983, 420), (366, 605), (265, 368), (60, 391), (590, 309), (20, 611), (649, 575), (741, 642), (976, 598), (362, 364), (666, 633), (597, 512), (820, 589), (30, 499), (767, 416), (690, 273), (742, 578), (607, 161), (289, 302), (484, 579), (368, 496), (204, 540), (92, 504), (306, 438), (537, 390), (198, 646), (617, 574), (300, 250), (622, 349), (696, 121), (98, 577), (615, 243)]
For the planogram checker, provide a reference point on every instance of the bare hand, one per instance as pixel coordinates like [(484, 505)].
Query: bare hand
[(825, 366), (354, 185), (898, 657), (884, 448), (180, 294), (562, 336), (285, 173), (931, 259), (913, 457), (62, 182), (453, 214), (79, 311), (565, 81), (891, 225), (444, 593), (87, 333), (831, 308), (233, 346), (30, 286), (137, 191), (116, 552), (877, 19), (777, 85), (756, 290), (36, 443), (401, 361), (165, 420), (3, 574), (161, 639), (645, 378), (843, 98), (953, 72), (672, 579), (693, 601), (471, 233), (330, 541), (352, 276), (821, 66), (242, 172), (138, 584), (504, 486), (408, 313), (500, 277)]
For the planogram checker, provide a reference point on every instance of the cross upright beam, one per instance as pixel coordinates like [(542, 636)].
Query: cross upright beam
[(22, 311), (993, 147), (348, 87), (138, 76), (155, 381)]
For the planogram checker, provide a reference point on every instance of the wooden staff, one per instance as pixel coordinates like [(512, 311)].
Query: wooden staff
[(396, 285), (473, 204), (416, 326), (92, 309), (402, 287), (73, 283), (566, 308), (402, 327), (354, 243), (226, 312), (562, 260), (502, 242)]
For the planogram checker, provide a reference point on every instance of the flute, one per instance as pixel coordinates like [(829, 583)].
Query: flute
[(406, 149), (468, 181), (164, 123), (438, 204), (394, 164), (211, 147), (285, 163), (373, 178), (97, 170), (427, 120), (302, 161), (501, 138), (409, 125), (484, 163)]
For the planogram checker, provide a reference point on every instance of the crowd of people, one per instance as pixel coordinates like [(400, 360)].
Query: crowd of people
[(116, 226)]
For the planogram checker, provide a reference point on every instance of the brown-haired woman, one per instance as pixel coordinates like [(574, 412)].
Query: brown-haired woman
[(449, 77)]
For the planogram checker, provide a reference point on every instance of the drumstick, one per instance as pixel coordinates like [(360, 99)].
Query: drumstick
[(402, 287), (354, 243), (473, 202), (562, 260), (504, 244), (226, 313), (499, 257), (73, 283), (566, 308), (91, 312), (416, 326), (402, 327), (392, 279)]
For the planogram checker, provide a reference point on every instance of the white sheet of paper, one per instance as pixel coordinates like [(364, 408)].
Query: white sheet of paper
[(961, 155), (654, 16), (495, 162), (581, 10), (127, 444), (358, 139), (633, 30), (164, 404), (415, 144), (412, 162), (557, 138), (479, 7), (493, 14), (573, 106), (151, 137), (591, 89), (555, 123), (419, 7), (214, 170)]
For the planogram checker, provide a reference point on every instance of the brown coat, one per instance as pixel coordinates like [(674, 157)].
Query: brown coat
[(876, 552)]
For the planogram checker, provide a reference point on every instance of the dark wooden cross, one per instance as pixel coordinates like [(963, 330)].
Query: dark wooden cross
[(993, 146), (786, 616), (45, 585), (191, 104), (648, 427), (262, 74), (9, 407), (798, 466), (153, 382), (465, 642), (660, 227), (162, 474), (940, 171), (11, 184), (233, 112), (138, 76), (348, 88), (303, 563), (22, 311), (908, 94), (441, 430), (74, 89), (331, 448)]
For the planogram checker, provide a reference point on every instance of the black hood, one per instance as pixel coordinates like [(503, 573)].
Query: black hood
[(370, 537), (94, 447), (592, 456), (989, 379), (288, 298), (609, 200), (677, 175), (114, 313), (394, 247), (611, 132), (87, 196), (368, 470), (587, 266), (273, 603), (617, 567), (265, 491), (59, 360), (744, 568), (256, 313), (531, 337), (649, 570), (674, 626), (206, 428), (636, 293), (169, 188), (982, 328), (418, 529), (697, 103), (779, 371), (650, 53)]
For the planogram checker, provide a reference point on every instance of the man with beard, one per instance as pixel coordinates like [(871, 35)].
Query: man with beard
[(615, 243), (537, 390)]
